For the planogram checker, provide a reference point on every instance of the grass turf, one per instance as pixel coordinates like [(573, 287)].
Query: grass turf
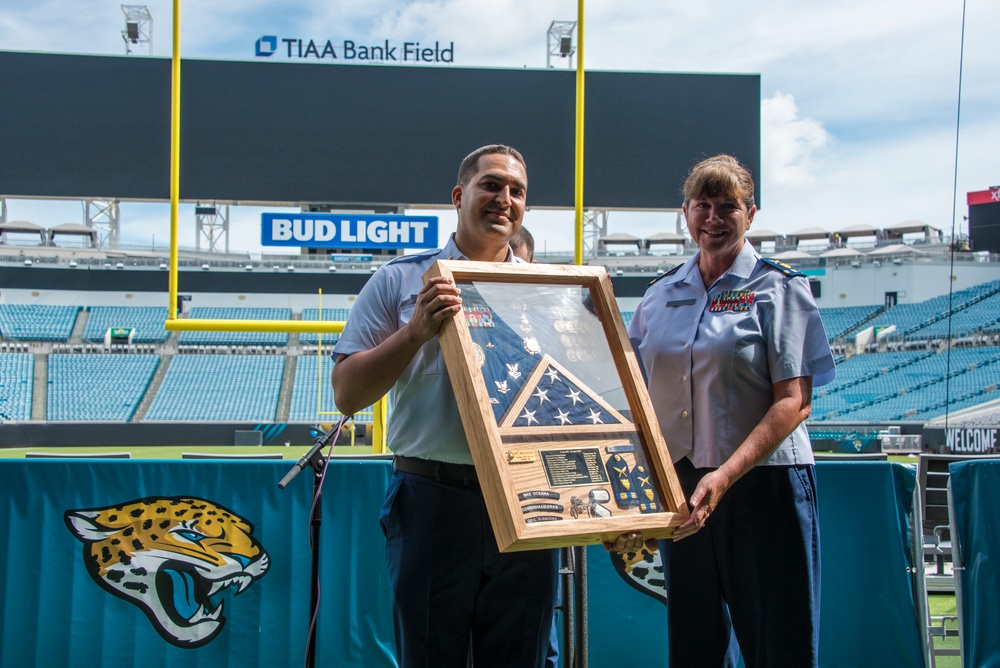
[(174, 451)]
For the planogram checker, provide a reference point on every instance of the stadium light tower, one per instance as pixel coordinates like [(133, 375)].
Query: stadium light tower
[(138, 30), (560, 42), (105, 217), (213, 226)]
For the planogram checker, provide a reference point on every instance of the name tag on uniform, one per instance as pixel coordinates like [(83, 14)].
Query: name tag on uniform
[(732, 300), (681, 302)]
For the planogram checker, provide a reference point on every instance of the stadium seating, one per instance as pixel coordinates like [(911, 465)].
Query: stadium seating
[(237, 338), (983, 314), (240, 388), (312, 383), (147, 321), (312, 314), (234, 376), (37, 322), (97, 387), (17, 373), (840, 321), (920, 389), (910, 318), (309, 383)]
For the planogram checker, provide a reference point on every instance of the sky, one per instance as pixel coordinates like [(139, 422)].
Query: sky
[(859, 98)]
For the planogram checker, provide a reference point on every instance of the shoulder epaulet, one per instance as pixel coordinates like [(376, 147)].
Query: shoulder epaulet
[(669, 273), (416, 257), (782, 267)]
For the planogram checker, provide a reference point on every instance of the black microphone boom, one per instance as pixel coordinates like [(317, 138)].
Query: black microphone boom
[(313, 457)]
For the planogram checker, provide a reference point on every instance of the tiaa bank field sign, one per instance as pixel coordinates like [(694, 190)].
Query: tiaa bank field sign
[(333, 230)]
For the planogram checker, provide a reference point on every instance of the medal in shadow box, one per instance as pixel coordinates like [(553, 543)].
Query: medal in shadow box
[(562, 431)]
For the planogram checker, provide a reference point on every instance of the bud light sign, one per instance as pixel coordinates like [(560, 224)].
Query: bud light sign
[(329, 230)]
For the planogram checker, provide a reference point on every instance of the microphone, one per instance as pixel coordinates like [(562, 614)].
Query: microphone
[(314, 452)]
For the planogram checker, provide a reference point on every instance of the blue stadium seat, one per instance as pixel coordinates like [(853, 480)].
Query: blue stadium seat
[(97, 388), (17, 373), (36, 322), (237, 338), (239, 388), (147, 321)]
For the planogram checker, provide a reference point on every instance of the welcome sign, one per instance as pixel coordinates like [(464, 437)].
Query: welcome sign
[(325, 230)]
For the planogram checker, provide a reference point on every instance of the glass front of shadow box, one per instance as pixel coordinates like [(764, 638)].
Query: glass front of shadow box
[(570, 448)]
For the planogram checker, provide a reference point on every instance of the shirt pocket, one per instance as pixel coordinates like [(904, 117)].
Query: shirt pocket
[(429, 359)]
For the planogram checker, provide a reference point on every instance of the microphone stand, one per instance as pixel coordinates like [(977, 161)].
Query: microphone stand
[(314, 458)]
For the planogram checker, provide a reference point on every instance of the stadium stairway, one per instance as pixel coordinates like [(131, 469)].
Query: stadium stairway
[(40, 387), (154, 386), (79, 326), (287, 385)]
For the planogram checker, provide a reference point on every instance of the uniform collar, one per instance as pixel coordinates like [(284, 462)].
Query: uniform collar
[(745, 262), (451, 252), (742, 266)]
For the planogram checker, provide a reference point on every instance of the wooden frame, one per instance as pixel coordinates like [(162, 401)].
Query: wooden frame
[(589, 462)]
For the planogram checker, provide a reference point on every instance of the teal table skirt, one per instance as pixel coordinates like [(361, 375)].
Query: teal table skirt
[(80, 539)]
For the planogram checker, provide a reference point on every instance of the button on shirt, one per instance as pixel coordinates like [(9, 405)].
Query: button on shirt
[(424, 421), (711, 356)]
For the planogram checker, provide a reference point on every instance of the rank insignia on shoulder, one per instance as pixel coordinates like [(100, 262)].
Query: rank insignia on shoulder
[(782, 267), (664, 275)]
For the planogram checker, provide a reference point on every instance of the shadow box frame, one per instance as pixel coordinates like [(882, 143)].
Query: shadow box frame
[(496, 461)]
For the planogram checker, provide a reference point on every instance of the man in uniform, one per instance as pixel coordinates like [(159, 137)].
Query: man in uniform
[(450, 584)]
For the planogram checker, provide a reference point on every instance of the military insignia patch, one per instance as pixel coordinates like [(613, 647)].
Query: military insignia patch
[(732, 300)]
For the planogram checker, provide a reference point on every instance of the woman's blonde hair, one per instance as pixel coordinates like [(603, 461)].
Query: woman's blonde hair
[(720, 176)]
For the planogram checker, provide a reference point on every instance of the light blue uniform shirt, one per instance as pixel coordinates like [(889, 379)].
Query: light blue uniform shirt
[(711, 357), (424, 421)]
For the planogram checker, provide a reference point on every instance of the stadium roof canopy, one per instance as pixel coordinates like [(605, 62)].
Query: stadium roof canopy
[(896, 249), (21, 227), (792, 255), (73, 229), (811, 233), (841, 252), (762, 234), (858, 231), (905, 226)]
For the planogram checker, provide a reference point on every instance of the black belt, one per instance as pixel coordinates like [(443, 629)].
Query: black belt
[(454, 474)]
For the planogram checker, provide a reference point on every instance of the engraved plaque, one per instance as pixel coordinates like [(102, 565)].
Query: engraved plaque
[(569, 468)]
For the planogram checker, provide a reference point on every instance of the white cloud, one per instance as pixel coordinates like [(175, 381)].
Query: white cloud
[(789, 144)]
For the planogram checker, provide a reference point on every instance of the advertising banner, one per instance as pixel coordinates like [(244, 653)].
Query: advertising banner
[(348, 230)]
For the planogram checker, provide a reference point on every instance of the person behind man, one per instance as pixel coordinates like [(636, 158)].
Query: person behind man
[(450, 584), (523, 244), (731, 345)]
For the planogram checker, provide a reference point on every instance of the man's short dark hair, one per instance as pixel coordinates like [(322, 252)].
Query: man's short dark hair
[(523, 238), (471, 162)]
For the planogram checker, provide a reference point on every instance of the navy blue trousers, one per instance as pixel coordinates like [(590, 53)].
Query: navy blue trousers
[(451, 586), (753, 571)]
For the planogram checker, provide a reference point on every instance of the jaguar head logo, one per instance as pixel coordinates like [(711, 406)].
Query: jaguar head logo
[(176, 558)]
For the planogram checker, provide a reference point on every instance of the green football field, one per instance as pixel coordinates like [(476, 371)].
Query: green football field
[(176, 451)]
